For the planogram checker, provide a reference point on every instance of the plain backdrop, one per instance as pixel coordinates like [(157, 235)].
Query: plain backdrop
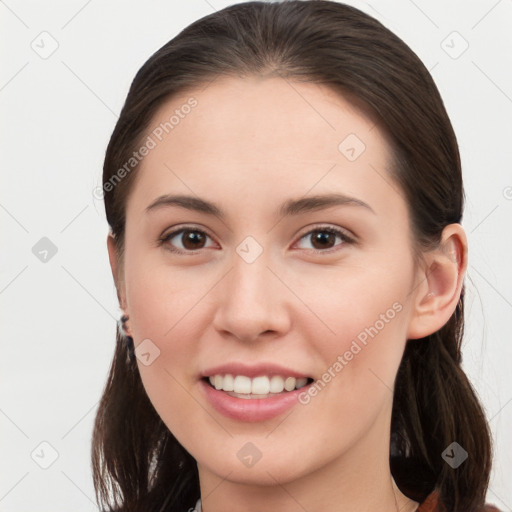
[(65, 71)]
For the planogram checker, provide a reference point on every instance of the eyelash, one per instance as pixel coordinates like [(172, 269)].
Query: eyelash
[(321, 229)]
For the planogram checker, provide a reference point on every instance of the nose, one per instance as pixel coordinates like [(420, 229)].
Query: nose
[(252, 301)]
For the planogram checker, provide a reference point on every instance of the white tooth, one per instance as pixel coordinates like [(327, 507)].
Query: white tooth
[(276, 384), (260, 386), (301, 382), (217, 382), (228, 383), (289, 384), (212, 380), (242, 384)]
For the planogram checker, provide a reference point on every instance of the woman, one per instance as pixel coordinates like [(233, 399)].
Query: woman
[(284, 193)]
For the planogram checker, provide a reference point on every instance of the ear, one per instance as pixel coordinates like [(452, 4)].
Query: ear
[(113, 257), (441, 280)]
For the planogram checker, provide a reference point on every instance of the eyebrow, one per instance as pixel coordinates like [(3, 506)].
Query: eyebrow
[(288, 208)]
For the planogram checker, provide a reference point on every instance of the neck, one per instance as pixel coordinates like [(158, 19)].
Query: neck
[(359, 480)]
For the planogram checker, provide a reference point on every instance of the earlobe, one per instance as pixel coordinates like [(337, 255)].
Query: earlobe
[(441, 283)]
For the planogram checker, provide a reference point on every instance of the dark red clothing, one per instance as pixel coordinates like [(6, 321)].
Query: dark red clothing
[(432, 504)]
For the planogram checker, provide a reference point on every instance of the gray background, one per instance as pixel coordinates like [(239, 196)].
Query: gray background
[(58, 314)]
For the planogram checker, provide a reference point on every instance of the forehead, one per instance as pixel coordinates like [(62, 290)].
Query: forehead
[(264, 138), (276, 113)]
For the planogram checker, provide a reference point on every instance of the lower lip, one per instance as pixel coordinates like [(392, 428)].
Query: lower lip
[(251, 409)]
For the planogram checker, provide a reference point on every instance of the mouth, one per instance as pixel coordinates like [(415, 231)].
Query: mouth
[(253, 393), (260, 387)]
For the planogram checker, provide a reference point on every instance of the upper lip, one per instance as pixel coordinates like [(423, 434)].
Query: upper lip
[(256, 370)]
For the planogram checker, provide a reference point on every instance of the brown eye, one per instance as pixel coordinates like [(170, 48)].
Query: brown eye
[(324, 238), (190, 240)]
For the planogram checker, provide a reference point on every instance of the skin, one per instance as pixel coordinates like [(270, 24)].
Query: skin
[(249, 145)]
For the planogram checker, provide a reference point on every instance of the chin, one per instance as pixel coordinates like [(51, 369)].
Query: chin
[(268, 466), (265, 473)]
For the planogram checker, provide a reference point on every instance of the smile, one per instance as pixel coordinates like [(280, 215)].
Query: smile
[(241, 386), (256, 399)]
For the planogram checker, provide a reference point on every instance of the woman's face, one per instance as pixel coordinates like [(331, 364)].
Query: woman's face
[(261, 288)]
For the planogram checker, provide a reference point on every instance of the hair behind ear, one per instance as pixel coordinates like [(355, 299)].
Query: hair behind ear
[(130, 446), (435, 405)]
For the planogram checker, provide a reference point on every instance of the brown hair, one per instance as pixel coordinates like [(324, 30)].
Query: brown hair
[(137, 462)]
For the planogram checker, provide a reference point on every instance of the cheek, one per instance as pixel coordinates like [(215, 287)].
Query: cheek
[(161, 299), (360, 364), (161, 306), (360, 330)]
